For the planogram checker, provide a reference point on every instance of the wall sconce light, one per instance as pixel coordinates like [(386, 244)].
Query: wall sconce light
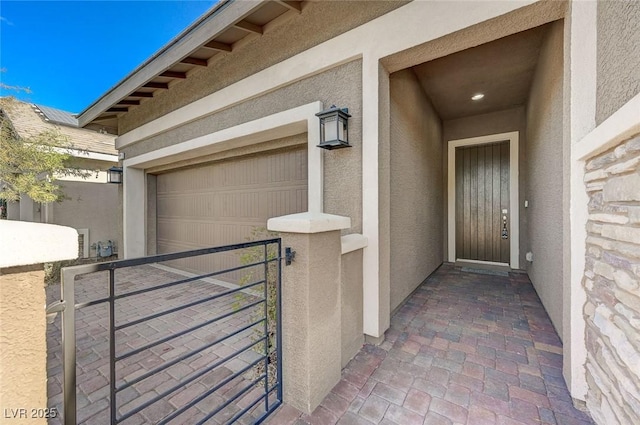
[(334, 128), (114, 175)]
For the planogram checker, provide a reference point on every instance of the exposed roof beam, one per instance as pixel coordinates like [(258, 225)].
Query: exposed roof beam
[(216, 45), (195, 61), (154, 85), (105, 118), (118, 110), (128, 102), (174, 74), (141, 94), (248, 26), (292, 5)]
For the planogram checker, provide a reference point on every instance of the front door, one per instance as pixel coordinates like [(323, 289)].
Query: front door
[(482, 216)]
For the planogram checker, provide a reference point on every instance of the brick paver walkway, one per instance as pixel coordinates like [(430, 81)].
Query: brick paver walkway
[(92, 349), (466, 348)]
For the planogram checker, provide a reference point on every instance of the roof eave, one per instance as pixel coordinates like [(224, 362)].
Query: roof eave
[(215, 21)]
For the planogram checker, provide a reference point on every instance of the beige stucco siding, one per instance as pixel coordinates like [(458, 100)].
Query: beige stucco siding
[(23, 369), (318, 22), (416, 222), (351, 305), (618, 56), (483, 125), (340, 86), (342, 168), (544, 182), (92, 206)]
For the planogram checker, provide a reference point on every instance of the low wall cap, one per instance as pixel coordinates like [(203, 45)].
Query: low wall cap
[(23, 243), (308, 222), (353, 242)]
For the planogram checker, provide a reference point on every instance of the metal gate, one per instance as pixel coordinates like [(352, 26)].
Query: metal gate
[(181, 347)]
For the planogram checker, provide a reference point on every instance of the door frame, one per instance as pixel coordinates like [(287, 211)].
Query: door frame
[(514, 242)]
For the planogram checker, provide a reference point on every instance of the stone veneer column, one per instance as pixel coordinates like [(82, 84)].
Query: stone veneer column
[(24, 247), (311, 313), (612, 283)]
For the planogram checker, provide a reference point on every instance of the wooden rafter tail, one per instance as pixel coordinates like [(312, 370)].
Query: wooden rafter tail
[(248, 26), (174, 74), (141, 94), (291, 5), (216, 45), (195, 61), (105, 118), (154, 85)]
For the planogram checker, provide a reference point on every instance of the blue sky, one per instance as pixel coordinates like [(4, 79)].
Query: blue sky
[(68, 53)]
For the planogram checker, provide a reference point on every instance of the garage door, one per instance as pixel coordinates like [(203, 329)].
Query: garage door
[(224, 202)]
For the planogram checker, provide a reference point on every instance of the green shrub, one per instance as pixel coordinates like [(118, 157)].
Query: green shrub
[(52, 270)]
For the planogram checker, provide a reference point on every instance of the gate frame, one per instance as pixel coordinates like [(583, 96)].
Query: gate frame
[(67, 306)]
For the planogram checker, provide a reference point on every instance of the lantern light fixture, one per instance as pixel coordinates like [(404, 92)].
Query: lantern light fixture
[(334, 128), (114, 175)]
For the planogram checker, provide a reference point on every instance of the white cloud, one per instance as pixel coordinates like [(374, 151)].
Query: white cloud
[(5, 20)]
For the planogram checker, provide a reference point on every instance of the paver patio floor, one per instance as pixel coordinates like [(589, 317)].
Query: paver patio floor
[(466, 348)]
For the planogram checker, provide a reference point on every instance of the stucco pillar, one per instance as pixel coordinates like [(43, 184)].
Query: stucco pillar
[(23, 349), (311, 314), (27, 208), (580, 89), (133, 214)]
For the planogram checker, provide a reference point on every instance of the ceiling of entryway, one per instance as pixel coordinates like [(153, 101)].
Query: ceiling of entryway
[(502, 70)]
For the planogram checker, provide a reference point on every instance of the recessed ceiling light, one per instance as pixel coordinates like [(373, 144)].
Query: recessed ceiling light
[(477, 96)]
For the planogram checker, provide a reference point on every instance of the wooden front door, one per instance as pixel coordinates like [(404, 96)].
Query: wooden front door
[(482, 202)]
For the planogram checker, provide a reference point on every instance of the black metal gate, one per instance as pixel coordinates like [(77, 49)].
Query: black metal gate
[(184, 346)]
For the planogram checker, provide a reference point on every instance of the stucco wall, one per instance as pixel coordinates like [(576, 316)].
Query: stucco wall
[(544, 175), (23, 346), (618, 74), (23, 367), (92, 206), (611, 281), (351, 305), (482, 125), (416, 222), (341, 86), (13, 210), (29, 210), (319, 21)]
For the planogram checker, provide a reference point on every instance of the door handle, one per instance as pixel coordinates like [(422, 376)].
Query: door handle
[(505, 232)]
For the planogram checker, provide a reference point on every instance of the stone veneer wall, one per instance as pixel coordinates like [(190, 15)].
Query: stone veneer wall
[(612, 274)]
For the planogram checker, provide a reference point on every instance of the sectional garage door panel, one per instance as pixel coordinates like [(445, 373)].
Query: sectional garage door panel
[(223, 202)]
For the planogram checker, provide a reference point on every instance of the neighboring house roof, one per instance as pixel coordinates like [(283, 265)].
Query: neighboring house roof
[(213, 34), (29, 120)]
